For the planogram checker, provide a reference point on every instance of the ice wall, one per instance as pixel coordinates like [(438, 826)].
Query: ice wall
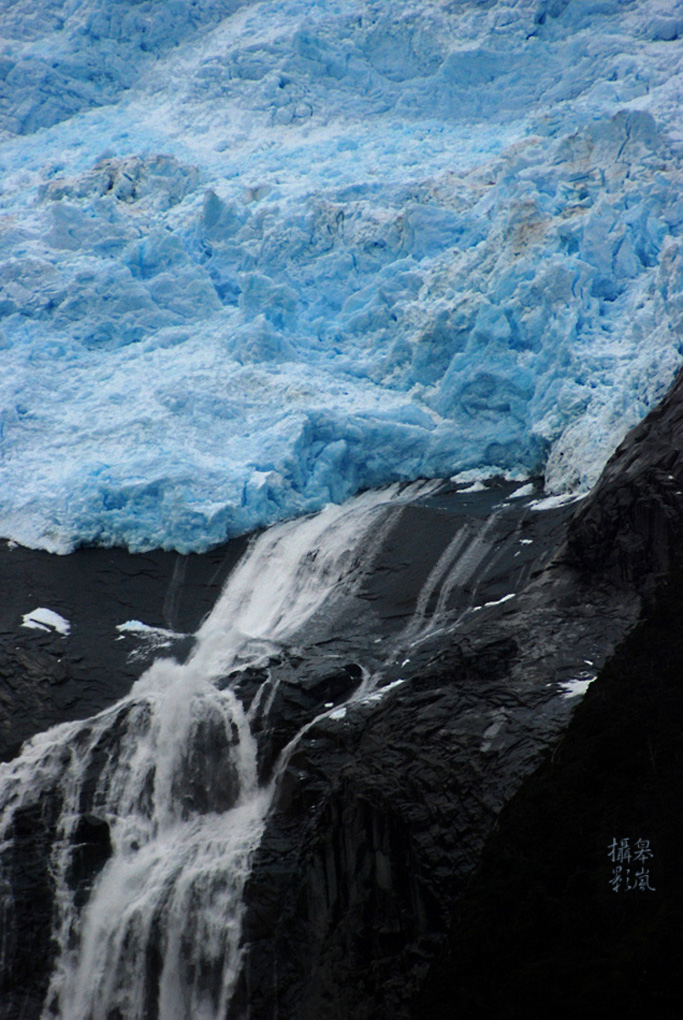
[(258, 256)]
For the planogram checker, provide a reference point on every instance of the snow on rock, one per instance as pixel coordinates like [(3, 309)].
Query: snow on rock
[(552, 502), (523, 491), (495, 602), (259, 256), (154, 638), (46, 619), (577, 686)]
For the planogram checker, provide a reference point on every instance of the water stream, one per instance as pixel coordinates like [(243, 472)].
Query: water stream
[(169, 779)]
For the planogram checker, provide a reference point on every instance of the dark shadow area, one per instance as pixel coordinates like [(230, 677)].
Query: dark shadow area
[(576, 907)]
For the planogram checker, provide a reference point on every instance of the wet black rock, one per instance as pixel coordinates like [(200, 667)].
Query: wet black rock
[(382, 816), (91, 850), (575, 908), (26, 947), (47, 677), (293, 701), (207, 780)]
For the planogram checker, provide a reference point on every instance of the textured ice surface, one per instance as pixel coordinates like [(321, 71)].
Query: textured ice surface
[(257, 256)]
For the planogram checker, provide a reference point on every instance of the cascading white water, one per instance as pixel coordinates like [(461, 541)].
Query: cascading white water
[(159, 934), (454, 569), (172, 770), (291, 570)]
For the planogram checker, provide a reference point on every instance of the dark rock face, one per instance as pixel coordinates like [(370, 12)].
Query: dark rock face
[(287, 696), (92, 849), (630, 527), (26, 948), (563, 918), (381, 815), (381, 819)]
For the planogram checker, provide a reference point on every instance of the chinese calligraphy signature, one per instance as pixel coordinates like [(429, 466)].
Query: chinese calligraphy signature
[(631, 869)]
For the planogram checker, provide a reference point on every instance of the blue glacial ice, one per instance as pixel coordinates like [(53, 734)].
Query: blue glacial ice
[(257, 256)]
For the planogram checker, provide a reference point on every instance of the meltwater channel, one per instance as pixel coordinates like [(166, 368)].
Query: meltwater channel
[(172, 773)]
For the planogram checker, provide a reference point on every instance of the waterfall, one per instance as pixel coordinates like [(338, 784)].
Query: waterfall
[(164, 785), (172, 772)]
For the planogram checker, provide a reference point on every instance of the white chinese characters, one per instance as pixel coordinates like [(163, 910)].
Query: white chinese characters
[(630, 871)]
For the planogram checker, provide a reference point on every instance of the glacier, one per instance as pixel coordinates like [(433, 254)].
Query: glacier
[(257, 257)]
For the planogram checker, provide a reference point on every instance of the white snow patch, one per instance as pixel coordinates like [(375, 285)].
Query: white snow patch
[(159, 637), (524, 490), (552, 502), (576, 687), (492, 731), (46, 619), (369, 699), (496, 602)]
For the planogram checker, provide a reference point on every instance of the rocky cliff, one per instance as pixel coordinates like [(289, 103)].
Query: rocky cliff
[(582, 869), (377, 827)]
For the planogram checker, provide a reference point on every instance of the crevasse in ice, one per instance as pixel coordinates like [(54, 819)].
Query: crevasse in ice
[(258, 256)]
